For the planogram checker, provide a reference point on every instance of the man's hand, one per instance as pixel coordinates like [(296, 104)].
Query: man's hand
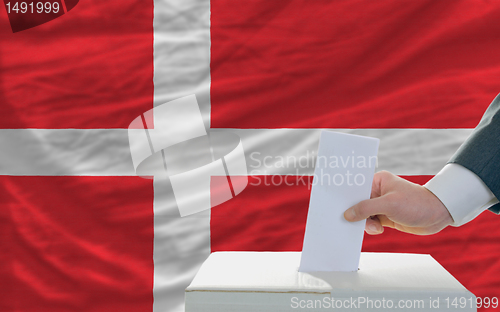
[(401, 205)]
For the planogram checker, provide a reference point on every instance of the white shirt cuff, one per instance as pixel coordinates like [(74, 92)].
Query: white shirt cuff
[(462, 192)]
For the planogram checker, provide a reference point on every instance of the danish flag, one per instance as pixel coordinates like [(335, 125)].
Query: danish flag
[(80, 231)]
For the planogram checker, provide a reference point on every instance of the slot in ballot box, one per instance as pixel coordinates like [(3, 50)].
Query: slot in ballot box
[(271, 282)]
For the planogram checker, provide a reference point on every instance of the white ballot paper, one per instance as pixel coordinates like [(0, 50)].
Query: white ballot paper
[(343, 177)]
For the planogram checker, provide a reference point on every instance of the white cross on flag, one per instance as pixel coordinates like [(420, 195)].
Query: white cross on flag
[(80, 231)]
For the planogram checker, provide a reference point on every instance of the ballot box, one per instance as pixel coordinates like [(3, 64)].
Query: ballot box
[(271, 282)]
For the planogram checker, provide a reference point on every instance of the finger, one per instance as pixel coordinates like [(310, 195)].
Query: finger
[(384, 221), (370, 207), (380, 179), (376, 187), (373, 226)]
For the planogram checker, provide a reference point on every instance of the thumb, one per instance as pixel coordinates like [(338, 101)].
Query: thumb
[(367, 208)]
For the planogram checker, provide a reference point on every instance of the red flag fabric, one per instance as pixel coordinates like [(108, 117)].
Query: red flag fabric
[(353, 64), (90, 68), (76, 243)]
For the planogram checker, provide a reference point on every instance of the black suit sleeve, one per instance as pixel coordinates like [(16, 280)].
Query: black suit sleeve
[(480, 153)]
